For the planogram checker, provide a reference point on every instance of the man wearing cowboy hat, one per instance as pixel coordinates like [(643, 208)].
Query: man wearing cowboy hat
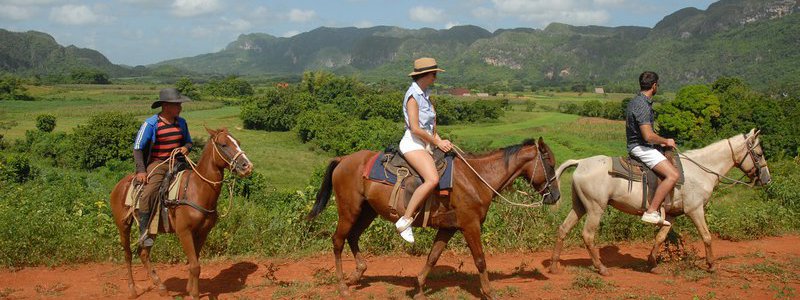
[(420, 135), (158, 136)]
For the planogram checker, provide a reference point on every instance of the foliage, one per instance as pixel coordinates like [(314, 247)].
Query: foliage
[(690, 116), (107, 136), (231, 86), (275, 110), (16, 168), (89, 76), (45, 122), (186, 87), (11, 88)]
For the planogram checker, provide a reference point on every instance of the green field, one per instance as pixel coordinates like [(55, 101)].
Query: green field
[(281, 158)]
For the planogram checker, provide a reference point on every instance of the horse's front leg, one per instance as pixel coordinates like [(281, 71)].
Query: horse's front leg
[(589, 233), (660, 237), (440, 242), (187, 239), (698, 217), (472, 234)]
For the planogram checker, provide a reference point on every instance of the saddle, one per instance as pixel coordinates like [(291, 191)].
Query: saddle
[(172, 188), (632, 169), (391, 168)]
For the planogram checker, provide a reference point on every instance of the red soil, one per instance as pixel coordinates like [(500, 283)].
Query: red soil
[(766, 268)]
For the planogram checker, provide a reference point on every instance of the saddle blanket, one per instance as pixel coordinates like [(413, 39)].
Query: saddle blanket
[(375, 171), (134, 194)]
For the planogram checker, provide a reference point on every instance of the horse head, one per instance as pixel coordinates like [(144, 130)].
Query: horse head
[(540, 172), (750, 158), (228, 154)]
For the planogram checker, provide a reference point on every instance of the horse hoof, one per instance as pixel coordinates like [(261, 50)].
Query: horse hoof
[(712, 268), (133, 296), (490, 296), (162, 291), (556, 270), (420, 296), (604, 271), (344, 291), (657, 270)]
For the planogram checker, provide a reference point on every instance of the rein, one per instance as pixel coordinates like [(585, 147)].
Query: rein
[(531, 205), (733, 157)]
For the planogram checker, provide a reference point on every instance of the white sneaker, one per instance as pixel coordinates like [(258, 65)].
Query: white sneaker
[(403, 226), (654, 218)]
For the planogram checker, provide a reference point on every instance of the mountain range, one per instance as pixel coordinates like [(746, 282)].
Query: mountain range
[(752, 39)]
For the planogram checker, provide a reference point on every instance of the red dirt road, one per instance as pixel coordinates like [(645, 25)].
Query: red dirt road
[(761, 269)]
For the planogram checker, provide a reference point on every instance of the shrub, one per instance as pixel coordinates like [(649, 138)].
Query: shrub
[(88, 76), (231, 86), (16, 168), (107, 136), (187, 88), (276, 110), (11, 88), (46, 122)]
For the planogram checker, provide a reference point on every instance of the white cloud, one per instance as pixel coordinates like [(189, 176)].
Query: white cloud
[(364, 24), (301, 16), (191, 8), (609, 2), (28, 2), (425, 14), (291, 33), (483, 12), (75, 15), (543, 12), (450, 25), (238, 25), (16, 13)]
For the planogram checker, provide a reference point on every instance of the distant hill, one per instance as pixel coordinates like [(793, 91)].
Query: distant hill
[(754, 39), (36, 52)]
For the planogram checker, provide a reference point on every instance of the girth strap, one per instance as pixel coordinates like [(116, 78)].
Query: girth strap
[(189, 203)]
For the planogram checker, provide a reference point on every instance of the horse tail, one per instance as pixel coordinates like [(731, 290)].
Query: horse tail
[(566, 165), (324, 193)]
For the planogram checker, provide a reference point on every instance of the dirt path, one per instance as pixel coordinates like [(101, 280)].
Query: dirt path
[(762, 269)]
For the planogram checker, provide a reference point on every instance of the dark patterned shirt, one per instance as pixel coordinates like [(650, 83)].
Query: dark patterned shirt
[(638, 112), (168, 137)]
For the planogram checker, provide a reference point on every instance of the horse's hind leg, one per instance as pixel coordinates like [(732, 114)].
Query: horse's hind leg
[(698, 217), (572, 218), (364, 220), (589, 232), (348, 214), (660, 237), (442, 237), (144, 255), (124, 228)]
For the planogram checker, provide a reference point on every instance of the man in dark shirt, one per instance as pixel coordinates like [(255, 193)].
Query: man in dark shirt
[(641, 138)]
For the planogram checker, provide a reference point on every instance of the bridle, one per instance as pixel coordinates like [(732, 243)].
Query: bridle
[(755, 172), (548, 179), (231, 161)]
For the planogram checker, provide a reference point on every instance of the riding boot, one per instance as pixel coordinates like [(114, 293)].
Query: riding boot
[(145, 238)]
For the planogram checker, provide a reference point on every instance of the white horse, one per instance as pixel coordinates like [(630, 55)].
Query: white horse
[(593, 189)]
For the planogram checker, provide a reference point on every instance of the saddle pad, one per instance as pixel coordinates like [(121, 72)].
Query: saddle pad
[(376, 172), (134, 191), (620, 168)]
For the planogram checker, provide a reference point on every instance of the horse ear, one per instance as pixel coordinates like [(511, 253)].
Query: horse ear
[(541, 142), (209, 130), (758, 132)]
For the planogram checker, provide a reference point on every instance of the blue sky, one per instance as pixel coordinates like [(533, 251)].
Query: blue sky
[(135, 32)]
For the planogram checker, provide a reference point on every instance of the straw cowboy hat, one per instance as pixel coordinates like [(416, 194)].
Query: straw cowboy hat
[(425, 65), (169, 95)]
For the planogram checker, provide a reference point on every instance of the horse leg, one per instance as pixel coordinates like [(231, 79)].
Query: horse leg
[(144, 255), (660, 237), (589, 232), (440, 242), (472, 234), (364, 220), (187, 240), (344, 224), (125, 239), (698, 217), (572, 218)]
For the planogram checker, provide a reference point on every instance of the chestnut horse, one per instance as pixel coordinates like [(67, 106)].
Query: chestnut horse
[(360, 200), (191, 224)]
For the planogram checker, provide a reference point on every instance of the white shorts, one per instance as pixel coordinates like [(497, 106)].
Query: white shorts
[(410, 142), (649, 156)]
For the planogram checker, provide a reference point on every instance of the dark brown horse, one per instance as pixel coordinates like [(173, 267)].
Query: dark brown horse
[(359, 201), (191, 224)]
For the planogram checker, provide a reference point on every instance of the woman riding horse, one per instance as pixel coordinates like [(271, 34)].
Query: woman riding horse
[(420, 134)]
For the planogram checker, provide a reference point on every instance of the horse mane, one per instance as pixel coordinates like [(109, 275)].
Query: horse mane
[(508, 151)]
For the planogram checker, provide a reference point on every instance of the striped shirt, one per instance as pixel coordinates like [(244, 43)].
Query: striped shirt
[(168, 137)]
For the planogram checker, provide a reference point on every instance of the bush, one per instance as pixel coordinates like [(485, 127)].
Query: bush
[(107, 136), (187, 88), (46, 122), (231, 86), (276, 110), (11, 88), (88, 76), (16, 168)]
